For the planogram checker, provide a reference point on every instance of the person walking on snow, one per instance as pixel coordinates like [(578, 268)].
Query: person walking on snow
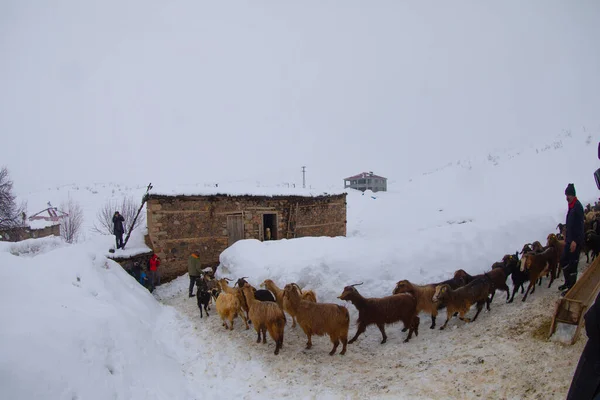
[(118, 229), (194, 270), (574, 239), (153, 264)]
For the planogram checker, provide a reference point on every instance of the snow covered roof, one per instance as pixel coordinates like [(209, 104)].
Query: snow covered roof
[(48, 214), (41, 223), (363, 175), (240, 190)]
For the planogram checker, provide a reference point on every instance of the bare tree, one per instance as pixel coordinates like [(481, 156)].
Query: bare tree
[(127, 208), (11, 215), (70, 225)]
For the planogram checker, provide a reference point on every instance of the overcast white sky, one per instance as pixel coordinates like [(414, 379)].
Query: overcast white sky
[(192, 91)]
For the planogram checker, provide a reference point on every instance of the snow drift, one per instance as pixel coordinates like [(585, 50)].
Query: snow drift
[(76, 325)]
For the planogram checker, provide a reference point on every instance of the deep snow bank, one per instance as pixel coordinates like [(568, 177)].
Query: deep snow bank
[(75, 325)]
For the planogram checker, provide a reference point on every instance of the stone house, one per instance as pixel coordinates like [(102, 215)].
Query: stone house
[(179, 224), (25, 232)]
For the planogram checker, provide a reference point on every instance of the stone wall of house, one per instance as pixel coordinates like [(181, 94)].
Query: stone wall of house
[(178, 225), (22, 233)]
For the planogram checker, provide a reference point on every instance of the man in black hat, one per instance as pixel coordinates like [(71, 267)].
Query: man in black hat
[(118, 228), (573, 239)]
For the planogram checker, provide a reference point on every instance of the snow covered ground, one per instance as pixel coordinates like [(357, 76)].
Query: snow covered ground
[(76, 326)]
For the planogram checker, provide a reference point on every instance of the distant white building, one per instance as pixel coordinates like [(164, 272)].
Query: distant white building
[(366, 181)]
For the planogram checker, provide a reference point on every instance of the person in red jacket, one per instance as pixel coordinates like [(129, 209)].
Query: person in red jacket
[(153, 265)]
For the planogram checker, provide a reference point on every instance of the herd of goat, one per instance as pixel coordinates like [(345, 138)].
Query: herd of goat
[(265, 308)]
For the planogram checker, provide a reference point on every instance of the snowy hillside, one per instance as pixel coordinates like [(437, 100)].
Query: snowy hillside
[(467, 215)]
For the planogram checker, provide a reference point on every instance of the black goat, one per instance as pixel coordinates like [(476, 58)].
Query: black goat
[(513, 264), (202, 296), (592, 243)]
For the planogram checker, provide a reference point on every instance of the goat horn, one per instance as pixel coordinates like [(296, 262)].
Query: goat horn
[(299, 288), (244, 277), (357, 284), (227, 279)]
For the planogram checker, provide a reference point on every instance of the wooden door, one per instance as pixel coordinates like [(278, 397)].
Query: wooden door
[(235, 228)]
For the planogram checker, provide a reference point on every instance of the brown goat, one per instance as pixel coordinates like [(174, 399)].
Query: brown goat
[(308, 295), (239, 295), (319, 318), (537, 247), (424, 295), (498, 276), (537, 265), (265, 316), (558, 246), (460, 300), (381, 311)]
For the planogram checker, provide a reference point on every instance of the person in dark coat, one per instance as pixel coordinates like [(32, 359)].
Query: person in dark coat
[(194, 270), (118, 229), (574, 239), (586, 380)]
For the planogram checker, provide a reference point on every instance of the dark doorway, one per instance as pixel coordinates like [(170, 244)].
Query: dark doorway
[(269, 226)]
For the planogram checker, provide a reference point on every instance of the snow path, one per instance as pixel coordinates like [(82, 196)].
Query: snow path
[(502, 355)]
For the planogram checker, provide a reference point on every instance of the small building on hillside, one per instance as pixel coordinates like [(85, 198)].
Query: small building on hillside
[(42, 224), (366, 181), (212, 220)]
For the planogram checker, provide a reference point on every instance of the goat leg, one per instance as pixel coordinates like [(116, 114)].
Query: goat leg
[(515, 290), (264, 331), (309, 343), (359, 331), (344, 343), (531, 283), (410, 332), (382, 329), (258, 339), (479, 308), (448, 316), (416, 322), (433, 321), (336, 343)]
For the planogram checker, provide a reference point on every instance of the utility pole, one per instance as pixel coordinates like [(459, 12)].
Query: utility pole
[(303, 177)]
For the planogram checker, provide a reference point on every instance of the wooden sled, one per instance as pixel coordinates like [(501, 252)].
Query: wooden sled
[(571, 308)]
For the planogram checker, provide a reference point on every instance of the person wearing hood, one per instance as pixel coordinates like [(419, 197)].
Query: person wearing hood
[(574, 239)]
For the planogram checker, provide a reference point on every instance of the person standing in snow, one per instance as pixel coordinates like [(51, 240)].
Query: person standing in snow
[(194, 270), (153, 265), (118, 229), (586, 380), (574, 238)]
